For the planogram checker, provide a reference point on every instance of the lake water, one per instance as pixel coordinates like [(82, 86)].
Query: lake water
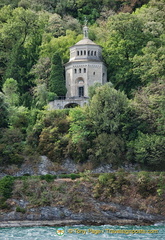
[(156, 232)]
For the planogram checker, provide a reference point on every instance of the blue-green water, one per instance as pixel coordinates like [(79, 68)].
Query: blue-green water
[(156, 232)]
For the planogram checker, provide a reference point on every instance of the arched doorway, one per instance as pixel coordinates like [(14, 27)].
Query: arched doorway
[(80, 87), (71, 105)]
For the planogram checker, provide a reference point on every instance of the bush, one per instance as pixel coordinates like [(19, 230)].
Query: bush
[(48, 177), (20, 209), (107, 148), (146, 185), (11, 146), (103, 178), (6, 187), (110, 184), (72, 176), (161, 185), (150, 151), (51, 96)]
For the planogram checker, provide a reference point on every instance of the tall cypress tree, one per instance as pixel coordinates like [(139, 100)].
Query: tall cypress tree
[(4, 112), (57, 80)]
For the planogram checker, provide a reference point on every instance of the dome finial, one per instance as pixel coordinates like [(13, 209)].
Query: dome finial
[(85, 21), (85, 28)]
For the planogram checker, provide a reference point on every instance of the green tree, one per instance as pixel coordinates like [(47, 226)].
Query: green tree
[(149, 104), (80, 134), (50, 45), (147, 118), (152, 16), (6, 187), (125, 39), (19, 118), (20, 39), (53, 139), (150, 151), (18, 115), (150, 66), (41, 71), (41, 92), (42, 95), (55, 25), (72, 24), (57, 81), (92, 89), (11, 146), (4, 112), (107, 108), (79, 125), (107, 149), (13, 3), (10, 89)]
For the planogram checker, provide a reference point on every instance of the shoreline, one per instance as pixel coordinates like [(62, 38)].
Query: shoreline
[(60, 223)]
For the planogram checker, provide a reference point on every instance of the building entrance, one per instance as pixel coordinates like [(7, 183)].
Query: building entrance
[(81, 91)]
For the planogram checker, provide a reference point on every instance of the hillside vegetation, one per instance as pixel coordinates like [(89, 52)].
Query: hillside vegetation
[(102, 196), (124, 122)]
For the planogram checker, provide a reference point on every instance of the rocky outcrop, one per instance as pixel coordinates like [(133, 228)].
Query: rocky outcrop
[(84, 209), (42, 166), (107, 213)]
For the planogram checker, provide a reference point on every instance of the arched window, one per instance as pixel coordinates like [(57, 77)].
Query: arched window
[(84, 70), (75, 71), (79, 81), (79, 70), (93, 73), (95, 53), (88, 53), (81, 52), (91, 53), (84, 52), (77, 53)]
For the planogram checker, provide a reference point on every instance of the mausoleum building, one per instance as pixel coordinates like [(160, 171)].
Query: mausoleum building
[(84, 69)]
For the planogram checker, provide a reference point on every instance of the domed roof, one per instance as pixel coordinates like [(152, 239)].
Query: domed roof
[(85, 41)]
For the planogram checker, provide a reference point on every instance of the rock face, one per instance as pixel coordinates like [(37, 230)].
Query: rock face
[(122, 215), (44, 166), (72, 201)]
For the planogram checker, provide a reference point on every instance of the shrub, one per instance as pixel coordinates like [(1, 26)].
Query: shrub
[(103, 178), (20, 209), (11, 146), (161, 184), (146, 185), (110, 184), (6, 186), (150, 151), (74, 176), (107, 148), (48, 177)]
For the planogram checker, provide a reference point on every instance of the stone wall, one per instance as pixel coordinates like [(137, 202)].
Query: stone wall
[(61, 104)]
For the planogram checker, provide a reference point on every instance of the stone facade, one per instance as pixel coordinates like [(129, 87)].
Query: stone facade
[(85, 68)]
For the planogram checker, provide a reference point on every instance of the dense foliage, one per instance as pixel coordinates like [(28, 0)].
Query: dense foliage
[(125, 120)]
